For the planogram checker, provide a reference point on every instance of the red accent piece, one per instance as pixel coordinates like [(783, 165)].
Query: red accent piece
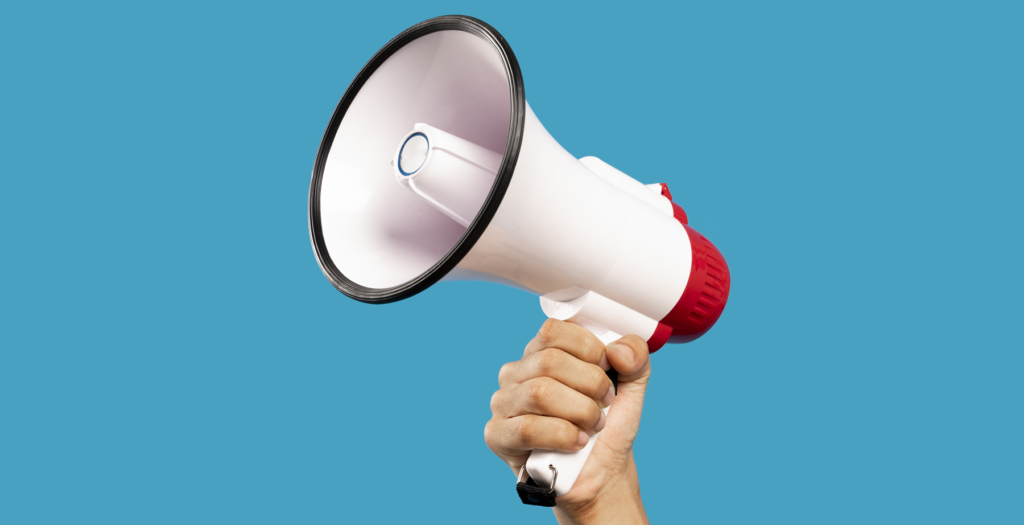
[(706, 292), (677, 210), (659, 338), (664, 191), (679, 214)]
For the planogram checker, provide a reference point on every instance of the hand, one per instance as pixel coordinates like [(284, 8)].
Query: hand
[(552, 398)]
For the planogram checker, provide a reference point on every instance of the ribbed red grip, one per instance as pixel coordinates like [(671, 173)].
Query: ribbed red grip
[(706, 292)]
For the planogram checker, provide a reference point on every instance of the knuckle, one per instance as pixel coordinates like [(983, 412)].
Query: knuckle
[(539, 390), (505, 373), (490, 433), (566, 436), (495, 402), (526, 430), (590, 352), (549, 331), (548, 361), (598, 384)]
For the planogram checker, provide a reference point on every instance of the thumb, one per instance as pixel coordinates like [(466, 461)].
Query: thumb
[(630, 358)]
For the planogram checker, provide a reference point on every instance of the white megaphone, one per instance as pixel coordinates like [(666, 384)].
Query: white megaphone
[(433, 167)]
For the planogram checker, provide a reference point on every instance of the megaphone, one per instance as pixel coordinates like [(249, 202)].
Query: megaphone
[(433, 167)]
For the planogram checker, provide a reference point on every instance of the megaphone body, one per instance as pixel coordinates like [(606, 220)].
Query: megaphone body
[(434, 168)]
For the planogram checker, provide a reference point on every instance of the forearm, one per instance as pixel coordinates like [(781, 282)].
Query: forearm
[(618, 503)]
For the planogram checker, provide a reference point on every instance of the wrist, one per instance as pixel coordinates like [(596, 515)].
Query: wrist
[(617, 503)]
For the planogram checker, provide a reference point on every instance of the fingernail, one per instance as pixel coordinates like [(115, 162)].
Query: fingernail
[(609, 397), (600, 424), (604, 362), (624, 354), (583, 438)]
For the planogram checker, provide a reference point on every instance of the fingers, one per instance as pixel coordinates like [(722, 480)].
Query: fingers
[(586, 378), (573, 339), (512, 437), (553, 397), (630, 357), (544, 396)]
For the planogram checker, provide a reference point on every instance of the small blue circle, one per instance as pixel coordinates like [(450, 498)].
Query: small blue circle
[(402, 171)]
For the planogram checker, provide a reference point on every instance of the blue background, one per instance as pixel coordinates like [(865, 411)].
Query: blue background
[(172, 353)]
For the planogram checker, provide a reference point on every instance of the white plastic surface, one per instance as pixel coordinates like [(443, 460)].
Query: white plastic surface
[(655, 188), (629, 185), (452, 174), (378, 233), (596, 313), (562, 226)]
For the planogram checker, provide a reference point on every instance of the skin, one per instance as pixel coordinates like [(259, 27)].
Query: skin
[(550, 397)]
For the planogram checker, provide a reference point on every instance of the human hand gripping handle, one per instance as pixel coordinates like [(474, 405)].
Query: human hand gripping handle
[(550, 472), (554, 399)]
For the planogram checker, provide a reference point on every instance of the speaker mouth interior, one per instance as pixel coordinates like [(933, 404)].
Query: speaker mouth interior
[(374, 240)]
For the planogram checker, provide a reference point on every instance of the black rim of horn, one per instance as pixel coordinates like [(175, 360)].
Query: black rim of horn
[(483, 218)]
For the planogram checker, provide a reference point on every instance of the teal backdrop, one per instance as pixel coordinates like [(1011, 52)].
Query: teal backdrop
[(172, 354)]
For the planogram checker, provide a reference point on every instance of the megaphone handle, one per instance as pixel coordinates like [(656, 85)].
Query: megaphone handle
[(553, 472)]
